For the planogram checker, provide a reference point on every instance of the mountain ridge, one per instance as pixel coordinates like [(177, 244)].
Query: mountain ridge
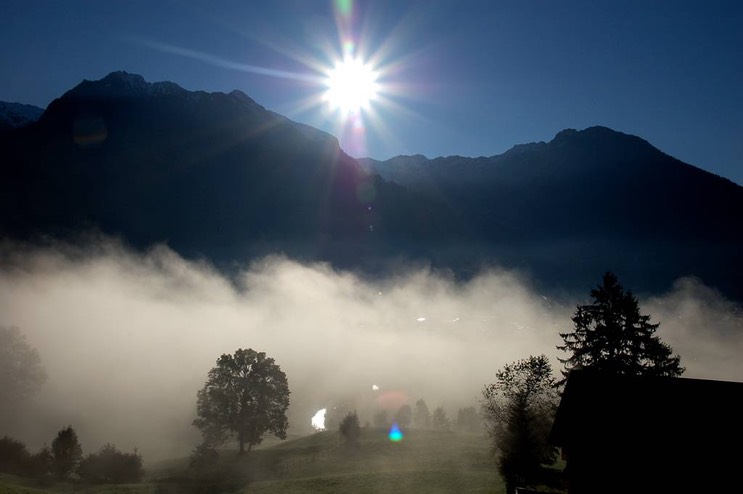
[(15, 115), (219, 176)]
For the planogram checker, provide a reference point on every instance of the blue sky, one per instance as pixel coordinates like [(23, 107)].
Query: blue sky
[(457, 77)]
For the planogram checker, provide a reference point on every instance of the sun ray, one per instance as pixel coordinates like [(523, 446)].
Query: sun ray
[(358, 78)]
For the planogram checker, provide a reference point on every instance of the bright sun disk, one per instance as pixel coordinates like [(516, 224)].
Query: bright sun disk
[(352, 84)]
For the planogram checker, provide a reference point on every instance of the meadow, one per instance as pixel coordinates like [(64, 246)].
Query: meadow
[(427, 461)]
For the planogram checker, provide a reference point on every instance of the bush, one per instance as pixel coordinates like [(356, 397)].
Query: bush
[(110, 465), (203, 456), (350, 428), (66, 451), (13, 456), (41, 464)]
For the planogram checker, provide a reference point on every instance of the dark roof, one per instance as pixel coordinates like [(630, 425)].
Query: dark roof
[(600, 408)]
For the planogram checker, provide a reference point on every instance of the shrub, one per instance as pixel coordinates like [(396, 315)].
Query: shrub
[(203, 456), (67, 452), (110, 465), (41, 464), (13, 456), (350, 428)]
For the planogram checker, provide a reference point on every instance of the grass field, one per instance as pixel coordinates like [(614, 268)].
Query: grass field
[(424, 461)]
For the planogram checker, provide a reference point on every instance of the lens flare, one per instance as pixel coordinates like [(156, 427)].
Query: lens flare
[(395, 434), (344, 7)]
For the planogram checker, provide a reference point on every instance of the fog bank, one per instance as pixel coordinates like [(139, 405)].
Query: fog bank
[(127, 338)]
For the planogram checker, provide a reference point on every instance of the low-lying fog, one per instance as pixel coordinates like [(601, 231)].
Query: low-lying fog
[(127, 338)]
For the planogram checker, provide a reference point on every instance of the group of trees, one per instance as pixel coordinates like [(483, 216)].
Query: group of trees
[(21, 376), (468, 420), (64, 460), (246, 396), (420, 418), (610, 335)]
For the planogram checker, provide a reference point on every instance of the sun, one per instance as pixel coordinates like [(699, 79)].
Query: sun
[(351, 85)]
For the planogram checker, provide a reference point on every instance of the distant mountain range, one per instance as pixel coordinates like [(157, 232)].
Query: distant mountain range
[(218, 176), (15, 115)]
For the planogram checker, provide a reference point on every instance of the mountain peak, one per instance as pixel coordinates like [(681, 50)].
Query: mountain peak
[(565, 133), (14, 115), (602, 136), (123, 77), (121, 84), (595, 132)]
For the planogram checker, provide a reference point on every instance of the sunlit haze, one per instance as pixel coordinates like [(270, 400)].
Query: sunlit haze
[(313, 245), (96, 311)]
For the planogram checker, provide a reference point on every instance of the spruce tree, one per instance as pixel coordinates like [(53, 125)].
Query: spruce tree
[(612, 336)]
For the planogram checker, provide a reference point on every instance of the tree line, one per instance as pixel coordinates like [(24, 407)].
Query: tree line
[(64, 460)]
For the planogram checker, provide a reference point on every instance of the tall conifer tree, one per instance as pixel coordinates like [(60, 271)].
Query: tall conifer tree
[(612, 336)]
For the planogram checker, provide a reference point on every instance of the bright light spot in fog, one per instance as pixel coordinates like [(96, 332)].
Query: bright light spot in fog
[(395, 434), (318, 420), (375, 387), (421, 319)]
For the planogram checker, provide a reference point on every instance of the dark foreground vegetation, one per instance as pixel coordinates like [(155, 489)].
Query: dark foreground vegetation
[(64, 462), (423, 461)]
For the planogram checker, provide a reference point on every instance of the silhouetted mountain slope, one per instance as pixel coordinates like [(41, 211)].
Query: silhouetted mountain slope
[(595, 181), (212, 174), (15, 115), (217, 175), (590, 200)]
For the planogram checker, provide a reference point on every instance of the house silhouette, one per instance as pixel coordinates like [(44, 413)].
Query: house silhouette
[(632, 434)]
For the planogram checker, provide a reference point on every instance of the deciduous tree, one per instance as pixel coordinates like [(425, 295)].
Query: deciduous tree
[(440, 420), (246, 395), (421, 415), (518, 410), (21, 372), (13, 455)]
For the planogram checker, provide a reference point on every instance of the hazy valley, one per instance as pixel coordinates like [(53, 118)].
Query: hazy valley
[(146, 230)]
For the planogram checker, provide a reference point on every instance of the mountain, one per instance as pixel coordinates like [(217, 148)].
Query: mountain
[(14, 115), (595, 181), (218, 176), (588, 200), (214, 175)]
